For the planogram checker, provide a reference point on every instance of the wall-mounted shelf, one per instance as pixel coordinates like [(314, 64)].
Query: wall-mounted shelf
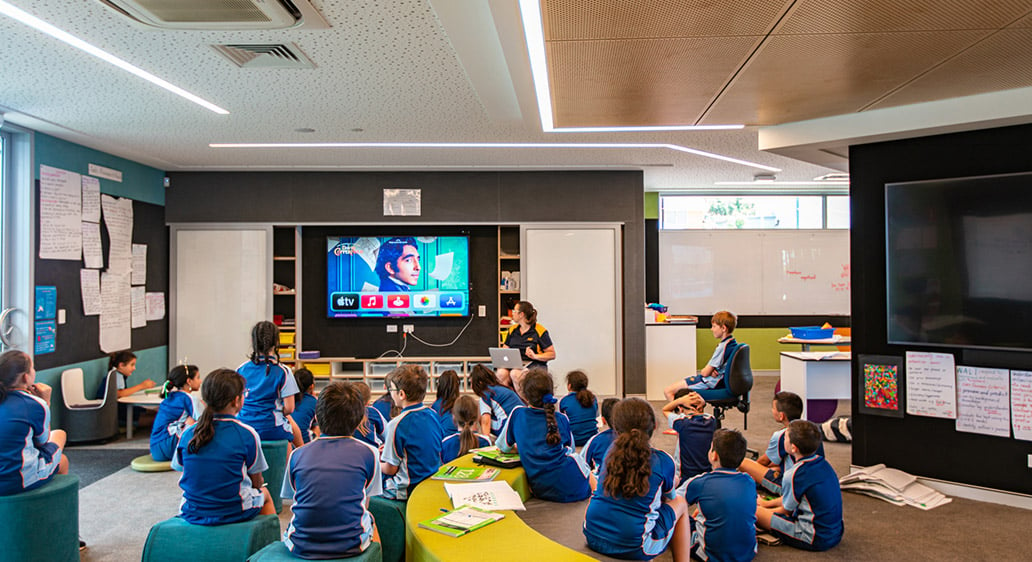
[(373, 371)]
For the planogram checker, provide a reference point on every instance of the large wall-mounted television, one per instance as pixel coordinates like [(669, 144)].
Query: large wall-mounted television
[(959, 262), (397, 276)]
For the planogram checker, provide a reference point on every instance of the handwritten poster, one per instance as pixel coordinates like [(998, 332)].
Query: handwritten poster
[(931, 385), (1021, 404), (92, 253), (139, 306), (89, 286), (155, 306), (90, 199), (116, 306), (983, 401), (60, 211), (118, 216), (139, 264)]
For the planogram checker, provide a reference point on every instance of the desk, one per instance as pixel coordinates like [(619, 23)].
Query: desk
[(812, 378), (669, 356), (137, 399), (834, 340)]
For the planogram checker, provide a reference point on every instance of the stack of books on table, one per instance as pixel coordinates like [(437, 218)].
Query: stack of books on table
[(894, 486)]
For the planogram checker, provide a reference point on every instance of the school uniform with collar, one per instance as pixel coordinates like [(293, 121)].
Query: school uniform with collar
[(452, 443), (412, 442), (375, 425), (447, 422), (719, 361), (268, 383), (536, 338), (216, 483), (331, 480), (169, 424), (694, 438), (499, 401), (813, 499), (304, 414), (583, 421), (781, 460), (555, 472), (594, 451), (724, 527), (27, 458)]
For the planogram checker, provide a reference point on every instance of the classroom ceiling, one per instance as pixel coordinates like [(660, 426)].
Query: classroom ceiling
[(447, 71)]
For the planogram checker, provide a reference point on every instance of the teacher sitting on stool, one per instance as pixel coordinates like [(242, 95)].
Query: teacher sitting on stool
[(532, 340)]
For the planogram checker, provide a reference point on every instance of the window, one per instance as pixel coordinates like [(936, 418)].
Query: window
[(753, 211), (16, 245)]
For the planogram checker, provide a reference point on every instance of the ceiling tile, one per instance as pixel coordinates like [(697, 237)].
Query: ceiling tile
[(599, 19), (797, 77), (852, 16), (641, 82)]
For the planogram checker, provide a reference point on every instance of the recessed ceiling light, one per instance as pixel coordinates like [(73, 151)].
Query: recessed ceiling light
[(357, 130), (304, 130), (40, 25)]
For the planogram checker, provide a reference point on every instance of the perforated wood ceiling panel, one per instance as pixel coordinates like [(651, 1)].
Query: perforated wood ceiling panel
[(566, 20), (631, 82), (868, 16)]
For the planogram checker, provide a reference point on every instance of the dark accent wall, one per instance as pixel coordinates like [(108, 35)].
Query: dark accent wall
[(920, 445), (457, 199)]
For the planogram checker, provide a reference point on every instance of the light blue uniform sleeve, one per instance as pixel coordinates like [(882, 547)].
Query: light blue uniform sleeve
[(718, 355), (289, 384), (788, 498), (375, 485), (672, 417), (773, 448), (505, 441), (390, 452), (259, 464)]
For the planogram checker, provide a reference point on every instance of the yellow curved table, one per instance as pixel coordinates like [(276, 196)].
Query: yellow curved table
[(508, 539)]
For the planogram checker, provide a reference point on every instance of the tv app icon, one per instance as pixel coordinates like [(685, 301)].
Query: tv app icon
[(451, 301), (424, 301), (372, 301), (397, 301), (344, 301)]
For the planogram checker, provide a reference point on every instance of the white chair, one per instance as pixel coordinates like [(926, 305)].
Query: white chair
[(88, 419)]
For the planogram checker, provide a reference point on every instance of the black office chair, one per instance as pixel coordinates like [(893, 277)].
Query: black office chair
[(739, 383)]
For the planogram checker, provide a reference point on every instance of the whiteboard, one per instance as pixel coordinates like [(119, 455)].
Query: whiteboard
[(572, 279), (757, 272)]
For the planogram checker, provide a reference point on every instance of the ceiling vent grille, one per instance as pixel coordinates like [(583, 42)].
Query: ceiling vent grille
[(276, 55), (220, 14)]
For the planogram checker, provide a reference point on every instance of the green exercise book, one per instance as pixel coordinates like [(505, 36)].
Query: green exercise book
[(463, 474), (491, 456), (460, 521)]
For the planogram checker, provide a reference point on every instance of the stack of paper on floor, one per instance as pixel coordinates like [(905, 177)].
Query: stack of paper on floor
[(496, 495), (894, 486)]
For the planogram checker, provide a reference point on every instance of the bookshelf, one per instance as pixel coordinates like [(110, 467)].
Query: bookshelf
[(286, 278), (509, 277)]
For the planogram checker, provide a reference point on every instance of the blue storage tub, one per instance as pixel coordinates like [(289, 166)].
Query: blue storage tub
[(812, 333)]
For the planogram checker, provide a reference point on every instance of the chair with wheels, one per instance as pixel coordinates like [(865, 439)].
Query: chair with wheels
[(737, 384)]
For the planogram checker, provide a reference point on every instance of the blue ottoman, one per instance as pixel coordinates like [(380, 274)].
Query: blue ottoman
[(390, 524), (278, 551), (175, 540), (42, 524), (276, 455)]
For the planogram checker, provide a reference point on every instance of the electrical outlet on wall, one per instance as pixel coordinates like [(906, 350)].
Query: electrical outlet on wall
[(481, 311), (392, 328), (408, 328)]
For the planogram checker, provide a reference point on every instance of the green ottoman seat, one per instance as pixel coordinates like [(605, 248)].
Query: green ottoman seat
[(278, 551), (146, 463), (175, 540), (42, 524), (276, 456), (390, 524)]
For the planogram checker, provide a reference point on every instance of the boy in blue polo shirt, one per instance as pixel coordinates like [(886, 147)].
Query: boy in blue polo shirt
[(808, 515), (694, 430), (712, 375), (723, 525), (412, 440), (594, 451), (768, 470)]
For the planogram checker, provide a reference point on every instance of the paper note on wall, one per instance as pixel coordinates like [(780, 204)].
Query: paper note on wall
[(116, 306), (92, 253), (118, 217), (139, 264), (90, 199), (89, 286), (1021, 404), (983, 401), (60, 212), (931, 385), (155, 306), (138, 298)]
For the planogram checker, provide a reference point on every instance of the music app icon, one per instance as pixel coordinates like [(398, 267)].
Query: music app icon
[(372, 301), (397, 301)]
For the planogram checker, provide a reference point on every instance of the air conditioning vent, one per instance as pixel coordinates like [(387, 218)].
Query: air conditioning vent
[(277, 55), (220, 14)]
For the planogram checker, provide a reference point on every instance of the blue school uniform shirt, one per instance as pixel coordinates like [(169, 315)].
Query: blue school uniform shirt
[(216, 483), (627, 523), (375, 424), (304, 414), (813, 500), (583, 421), (694, 440), (412, 442), (447, 422), (555, 472), (452, 443), (263, 404), (594, 451), (721, 361), (27, 458), (779, 455), (725, 525), (332, 479), (169, 424), (499, 401), (383, 405)]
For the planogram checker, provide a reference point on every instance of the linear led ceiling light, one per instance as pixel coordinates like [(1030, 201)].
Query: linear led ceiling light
[(676, 147), (38, 24), (533, 30)]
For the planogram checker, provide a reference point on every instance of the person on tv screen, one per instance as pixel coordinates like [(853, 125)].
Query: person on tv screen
[(397, 264)]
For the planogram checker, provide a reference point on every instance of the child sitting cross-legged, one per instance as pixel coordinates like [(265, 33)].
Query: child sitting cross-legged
[(466, 416), (724, 521), (694, 430), (332, 479), (808, 515), (412, 440), (176, 412), (581, 406), (594, 451), (768, 470)]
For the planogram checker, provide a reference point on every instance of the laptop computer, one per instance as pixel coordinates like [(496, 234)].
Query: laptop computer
[(505, 358)]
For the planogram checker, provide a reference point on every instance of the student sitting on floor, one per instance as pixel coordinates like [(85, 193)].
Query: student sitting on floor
[(412, 440), (724, 522), (496, 400), (175, 413), (305, 400), (581, 406), (447, 392), (371, 428), (694, 430), (712, 375), (808, 515), (767, 471), (333, 478), (545, 443), (634, 512), (466, 414), (594, 451), (221, 459)]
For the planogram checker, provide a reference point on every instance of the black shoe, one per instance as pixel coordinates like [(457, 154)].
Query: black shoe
[(82, 545)]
